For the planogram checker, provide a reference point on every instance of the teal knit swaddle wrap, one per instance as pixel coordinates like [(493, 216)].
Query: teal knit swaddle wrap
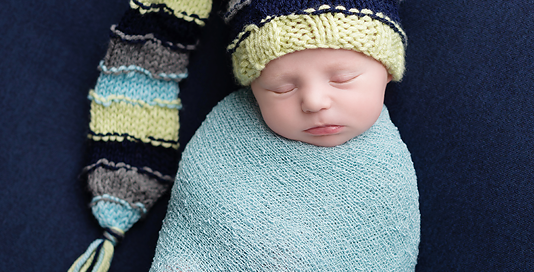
[(246, 199)]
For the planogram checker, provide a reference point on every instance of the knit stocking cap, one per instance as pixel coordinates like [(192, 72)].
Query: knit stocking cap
[(246, 199), (266, 30)]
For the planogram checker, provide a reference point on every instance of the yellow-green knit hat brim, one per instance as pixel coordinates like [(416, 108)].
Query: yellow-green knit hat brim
[(286, 34)]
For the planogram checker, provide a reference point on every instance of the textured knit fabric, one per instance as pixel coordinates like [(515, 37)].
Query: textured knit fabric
[(266, 30), (134, 109), (246, 199), (133, 137)]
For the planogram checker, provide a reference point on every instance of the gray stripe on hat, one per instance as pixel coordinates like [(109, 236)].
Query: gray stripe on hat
[(125, 184), (160, 61)]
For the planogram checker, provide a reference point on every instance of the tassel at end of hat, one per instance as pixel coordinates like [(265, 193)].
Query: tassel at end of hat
[(98, 256)]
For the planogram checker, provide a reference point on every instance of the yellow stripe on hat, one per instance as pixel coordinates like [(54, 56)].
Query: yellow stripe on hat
[(286, 34), (183, 9), (149, 124)]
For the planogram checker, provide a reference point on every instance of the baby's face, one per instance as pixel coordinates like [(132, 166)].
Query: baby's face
[(324, 97)]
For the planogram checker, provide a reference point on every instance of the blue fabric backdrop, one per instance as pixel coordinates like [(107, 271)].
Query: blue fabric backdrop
[(464, 108)]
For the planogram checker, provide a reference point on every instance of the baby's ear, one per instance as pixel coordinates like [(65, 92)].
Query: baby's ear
[(390, 77)]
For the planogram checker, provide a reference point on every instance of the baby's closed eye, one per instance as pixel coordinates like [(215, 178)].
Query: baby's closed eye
[(285, 88), (343, 78)]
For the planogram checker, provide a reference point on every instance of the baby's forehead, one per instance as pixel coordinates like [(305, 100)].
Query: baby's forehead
[(327, 60)]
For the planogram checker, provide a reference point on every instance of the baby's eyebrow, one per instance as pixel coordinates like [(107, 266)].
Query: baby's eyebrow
[(278, 76), (342, 65)]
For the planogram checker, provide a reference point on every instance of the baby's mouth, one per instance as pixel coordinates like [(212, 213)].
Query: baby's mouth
[(324, 130)]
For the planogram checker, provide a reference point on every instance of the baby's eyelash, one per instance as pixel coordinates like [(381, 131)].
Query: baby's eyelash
[(343, 78), (284, 89)]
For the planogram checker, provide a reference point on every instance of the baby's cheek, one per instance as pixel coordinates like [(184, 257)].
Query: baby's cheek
[(278, 126), (279, 119)]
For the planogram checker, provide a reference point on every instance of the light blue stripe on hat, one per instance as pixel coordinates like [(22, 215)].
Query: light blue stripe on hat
[(113, 212), (136, 86)]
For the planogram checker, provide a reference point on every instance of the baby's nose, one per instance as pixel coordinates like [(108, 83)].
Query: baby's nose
[(315, 100)]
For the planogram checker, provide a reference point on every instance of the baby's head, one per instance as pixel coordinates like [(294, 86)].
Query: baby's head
[(318, 69)]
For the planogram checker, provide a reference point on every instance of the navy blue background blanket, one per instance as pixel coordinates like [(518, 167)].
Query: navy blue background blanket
[(464, 108)]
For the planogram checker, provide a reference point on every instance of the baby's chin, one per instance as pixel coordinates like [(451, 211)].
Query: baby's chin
[(326, 141)]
